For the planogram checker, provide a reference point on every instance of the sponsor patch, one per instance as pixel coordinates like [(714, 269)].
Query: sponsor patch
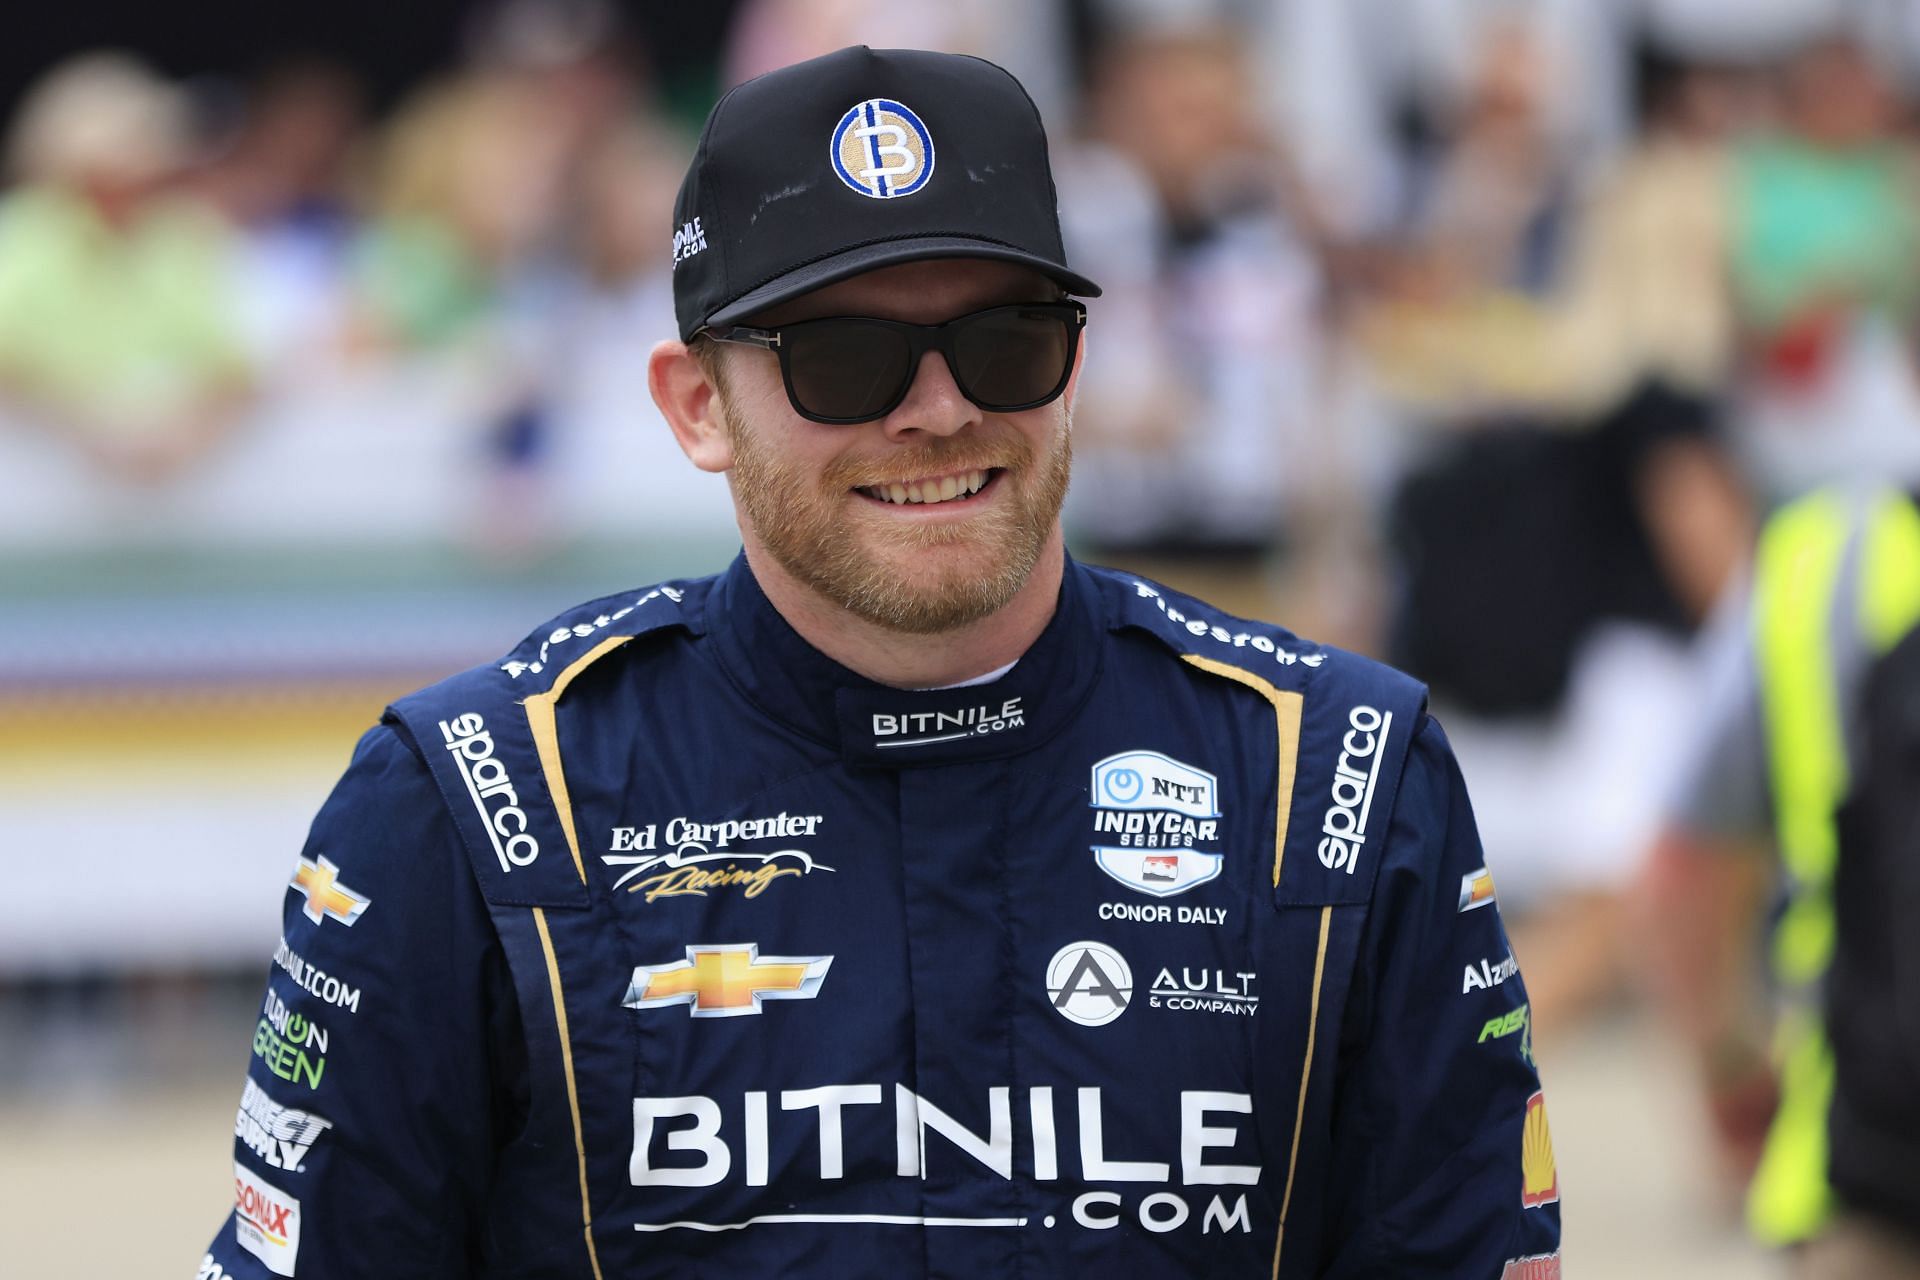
[(327, 899), (1151, 810), (1476, 889), (292, 1045), (266, 1220), (882, 149), (894, 730), (859, 1130), (1539, 1177), (1355, 774), (279, 1135), (1535, 1266), (1089, 983), (1200, 627), (491, 790), (696, 860), (316, 982), (582, 630), (726, 981), (689, 238), (1205, 991), (1485, 975)]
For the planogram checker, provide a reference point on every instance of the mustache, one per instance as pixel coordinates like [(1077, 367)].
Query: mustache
[(942, 459)]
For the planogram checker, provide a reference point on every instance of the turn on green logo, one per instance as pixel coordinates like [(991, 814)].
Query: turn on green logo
[(293, 1046)]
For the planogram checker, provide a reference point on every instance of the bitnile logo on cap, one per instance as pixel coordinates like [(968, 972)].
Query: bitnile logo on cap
[(882, 150)]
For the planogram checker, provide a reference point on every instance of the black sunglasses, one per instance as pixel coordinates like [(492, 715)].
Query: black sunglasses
[(846, 369)]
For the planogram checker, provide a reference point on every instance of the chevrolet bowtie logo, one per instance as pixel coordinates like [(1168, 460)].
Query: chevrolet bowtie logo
[(726, 981), (318, 882)]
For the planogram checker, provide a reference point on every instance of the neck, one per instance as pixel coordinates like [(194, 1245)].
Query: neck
[(914, 661)]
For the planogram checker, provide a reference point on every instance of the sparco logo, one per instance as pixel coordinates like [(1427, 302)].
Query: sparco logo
[(920, 728), (281, 1136), (1345, 827), (492, 791)]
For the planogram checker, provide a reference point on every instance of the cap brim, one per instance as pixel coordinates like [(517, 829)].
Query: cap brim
[(888, 253)]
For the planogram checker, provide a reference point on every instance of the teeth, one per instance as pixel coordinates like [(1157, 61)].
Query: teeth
[(945, 489)]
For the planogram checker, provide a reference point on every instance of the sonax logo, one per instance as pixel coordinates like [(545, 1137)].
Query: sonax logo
[(266, 1220)]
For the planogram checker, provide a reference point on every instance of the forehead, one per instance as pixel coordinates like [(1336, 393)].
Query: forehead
[(919, 292)]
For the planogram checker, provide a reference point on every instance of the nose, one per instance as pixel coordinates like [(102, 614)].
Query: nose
[(934, 405)]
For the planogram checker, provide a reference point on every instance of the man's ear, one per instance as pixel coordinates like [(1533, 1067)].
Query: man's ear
[(690, 402)]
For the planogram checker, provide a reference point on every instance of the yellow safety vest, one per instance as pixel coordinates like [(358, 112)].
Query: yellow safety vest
[(1797, 575)]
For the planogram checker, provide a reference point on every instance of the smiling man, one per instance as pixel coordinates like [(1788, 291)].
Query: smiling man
[(907, 900)]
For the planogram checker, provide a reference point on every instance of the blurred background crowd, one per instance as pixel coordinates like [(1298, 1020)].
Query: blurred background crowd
[(1478, 335)]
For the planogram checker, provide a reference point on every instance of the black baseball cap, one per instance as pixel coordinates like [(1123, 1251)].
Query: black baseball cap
[(855, 160)]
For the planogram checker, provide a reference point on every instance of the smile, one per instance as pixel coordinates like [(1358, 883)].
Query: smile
[(933, 490)]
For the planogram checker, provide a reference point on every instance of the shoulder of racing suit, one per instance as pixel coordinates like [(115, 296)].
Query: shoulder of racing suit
[(1344, 723), (488, 737)]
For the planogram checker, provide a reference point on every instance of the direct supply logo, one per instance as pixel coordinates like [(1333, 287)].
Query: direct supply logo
[(279, 1135)]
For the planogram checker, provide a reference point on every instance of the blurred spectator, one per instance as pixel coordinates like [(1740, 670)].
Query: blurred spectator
[(1805, 747), (1825, 225), (281, 174), (118, 319), (1556, 545), (1192, 442)]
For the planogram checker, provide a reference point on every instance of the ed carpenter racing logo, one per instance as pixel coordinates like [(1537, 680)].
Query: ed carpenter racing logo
[(683, 869)]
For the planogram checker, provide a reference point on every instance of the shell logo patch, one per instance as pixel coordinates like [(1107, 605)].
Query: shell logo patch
[(882, 150), (1539, 1179)]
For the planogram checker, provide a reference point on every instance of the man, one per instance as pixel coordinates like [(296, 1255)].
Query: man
[(1808, 743), (908, 899)]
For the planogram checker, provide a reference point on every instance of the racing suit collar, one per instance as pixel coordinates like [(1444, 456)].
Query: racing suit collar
[(874, 725)]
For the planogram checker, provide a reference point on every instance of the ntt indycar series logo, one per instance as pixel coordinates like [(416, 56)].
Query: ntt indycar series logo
[(491, 790), (1153, 809), (1344, 830)]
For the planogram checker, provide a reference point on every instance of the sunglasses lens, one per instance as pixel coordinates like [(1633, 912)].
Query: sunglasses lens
[(1012, 357), (846, 368)]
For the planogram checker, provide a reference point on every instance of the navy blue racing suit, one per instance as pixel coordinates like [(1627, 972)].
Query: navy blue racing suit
[(667, 947)]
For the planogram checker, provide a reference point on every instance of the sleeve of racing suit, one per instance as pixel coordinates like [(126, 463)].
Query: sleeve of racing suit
[(382, 1060), (1443, 1164)]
